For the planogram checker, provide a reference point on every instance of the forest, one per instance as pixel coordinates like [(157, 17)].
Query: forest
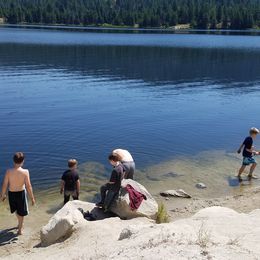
[(199, 14)]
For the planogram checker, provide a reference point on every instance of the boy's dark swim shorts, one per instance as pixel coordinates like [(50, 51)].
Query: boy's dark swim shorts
[(18, 202)]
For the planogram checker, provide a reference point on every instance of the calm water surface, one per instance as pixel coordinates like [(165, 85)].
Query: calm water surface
[(162, 96)]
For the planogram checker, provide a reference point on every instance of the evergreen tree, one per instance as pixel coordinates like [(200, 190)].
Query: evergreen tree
[(202, 14)]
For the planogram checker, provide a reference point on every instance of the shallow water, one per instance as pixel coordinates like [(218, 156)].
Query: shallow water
[(165, 97)]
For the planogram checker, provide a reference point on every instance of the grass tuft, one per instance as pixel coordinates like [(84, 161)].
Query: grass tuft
[(162, 215)]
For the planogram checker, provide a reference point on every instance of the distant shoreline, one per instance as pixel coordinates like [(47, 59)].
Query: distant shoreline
[(126, 28)]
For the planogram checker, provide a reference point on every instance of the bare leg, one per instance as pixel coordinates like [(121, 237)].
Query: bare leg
[(252, 168), (242, 168), (20, 224)]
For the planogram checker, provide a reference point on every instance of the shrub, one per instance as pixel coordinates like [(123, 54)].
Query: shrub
[(162, 215)]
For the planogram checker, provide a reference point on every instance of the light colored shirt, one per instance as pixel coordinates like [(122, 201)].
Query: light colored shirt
[(124, 154)]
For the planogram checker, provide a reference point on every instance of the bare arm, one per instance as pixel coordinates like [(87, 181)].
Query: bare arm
[(78, 186), (28, 186), (62, 184), (4, 186), (240, 148), (251, 150)]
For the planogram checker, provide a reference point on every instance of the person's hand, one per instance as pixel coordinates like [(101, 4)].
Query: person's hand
[(3, 197), (33, 201), (238, 151)]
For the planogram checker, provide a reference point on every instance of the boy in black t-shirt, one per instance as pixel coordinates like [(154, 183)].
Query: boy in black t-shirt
[(70, 184), (116, 177), (248, 153)]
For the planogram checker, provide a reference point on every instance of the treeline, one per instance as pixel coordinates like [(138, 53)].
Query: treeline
[(201, 14)]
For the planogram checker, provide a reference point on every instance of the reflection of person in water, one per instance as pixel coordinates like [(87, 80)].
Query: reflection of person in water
[(16, 180), (248, 153), (127, 161), (114, 183)]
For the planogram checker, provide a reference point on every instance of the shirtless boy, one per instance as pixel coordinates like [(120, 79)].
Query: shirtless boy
[(17, 181)]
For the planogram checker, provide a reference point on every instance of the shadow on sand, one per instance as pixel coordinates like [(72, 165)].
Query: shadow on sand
[(8, 236)]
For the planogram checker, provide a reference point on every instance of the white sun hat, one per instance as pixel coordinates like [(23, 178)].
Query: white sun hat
[(254, 129)]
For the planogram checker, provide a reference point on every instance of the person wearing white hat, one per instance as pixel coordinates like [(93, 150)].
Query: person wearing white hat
[(248, 154), (127, 161)]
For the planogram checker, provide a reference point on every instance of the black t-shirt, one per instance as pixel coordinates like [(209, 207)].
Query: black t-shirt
[(116, 177), (247, 145), (70, 177)]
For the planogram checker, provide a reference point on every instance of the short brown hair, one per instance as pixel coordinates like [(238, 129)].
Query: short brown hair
[(72, 163), (18, 158), (114, 158)]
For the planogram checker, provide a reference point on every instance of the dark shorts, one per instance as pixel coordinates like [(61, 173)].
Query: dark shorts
[(248, 160), (18, 202), (68, 193)]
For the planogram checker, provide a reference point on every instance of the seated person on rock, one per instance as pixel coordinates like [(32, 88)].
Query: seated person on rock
[(114, 183), (70, 183), (128, 162)]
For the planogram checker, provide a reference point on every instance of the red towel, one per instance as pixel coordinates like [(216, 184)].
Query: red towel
[(135, 197)]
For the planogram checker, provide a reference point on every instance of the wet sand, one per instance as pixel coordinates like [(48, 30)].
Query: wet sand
[(216, 169)]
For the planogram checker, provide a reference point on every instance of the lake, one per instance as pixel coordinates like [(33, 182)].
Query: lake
[(173, 100)]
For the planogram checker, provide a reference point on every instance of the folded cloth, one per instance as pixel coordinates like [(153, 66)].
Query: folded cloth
[(135, 197)]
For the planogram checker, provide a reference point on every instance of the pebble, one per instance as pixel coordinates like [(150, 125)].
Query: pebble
[(201, 185)]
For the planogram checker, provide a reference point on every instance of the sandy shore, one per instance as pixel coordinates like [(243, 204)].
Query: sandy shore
[(174, 174), (177, 208)]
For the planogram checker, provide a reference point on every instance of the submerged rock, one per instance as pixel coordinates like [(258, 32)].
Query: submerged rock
[(201, 185), (120, 207), (175, 193)]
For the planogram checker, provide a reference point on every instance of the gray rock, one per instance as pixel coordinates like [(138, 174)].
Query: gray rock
[(120, 207), (65, 221), (126, 233), (69, 218), (175, 193), (201, 185)]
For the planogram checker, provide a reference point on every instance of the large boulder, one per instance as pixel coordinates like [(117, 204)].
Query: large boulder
[(69, 218), (64, 222), (120, 207)]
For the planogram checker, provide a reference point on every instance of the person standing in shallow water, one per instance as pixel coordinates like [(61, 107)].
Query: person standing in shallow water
[(248, 153), (70, 183), (127, 161), (17, 181)]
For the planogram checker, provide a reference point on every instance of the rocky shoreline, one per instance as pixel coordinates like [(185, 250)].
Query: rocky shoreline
[(215, 231)]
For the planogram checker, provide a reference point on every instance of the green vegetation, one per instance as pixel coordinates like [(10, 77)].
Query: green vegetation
[(162, 215), (201, 14)]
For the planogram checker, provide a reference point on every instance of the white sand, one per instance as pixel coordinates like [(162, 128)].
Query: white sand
[(225, 233), (213, 233)]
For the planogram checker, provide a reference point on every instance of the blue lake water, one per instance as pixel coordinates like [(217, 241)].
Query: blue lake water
[(161, 96)]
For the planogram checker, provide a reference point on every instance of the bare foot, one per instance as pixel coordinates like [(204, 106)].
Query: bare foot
[(19, 233)]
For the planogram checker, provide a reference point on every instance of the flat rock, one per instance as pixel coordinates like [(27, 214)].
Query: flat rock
[(175, 193)]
